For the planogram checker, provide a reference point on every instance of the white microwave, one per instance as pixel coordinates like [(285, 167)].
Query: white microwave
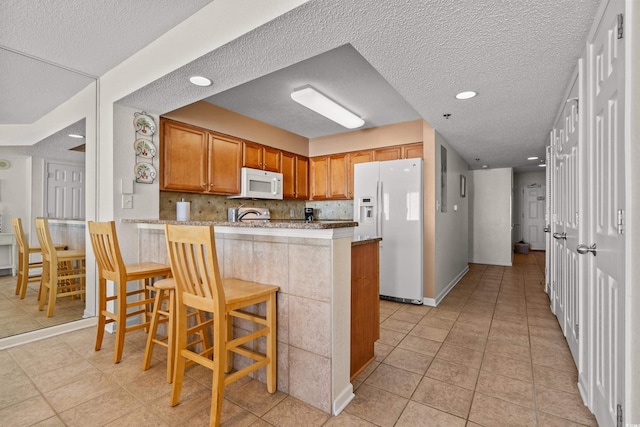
[(259, 184)]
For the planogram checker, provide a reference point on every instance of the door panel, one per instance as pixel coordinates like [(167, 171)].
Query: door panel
[(606, 162), (65, 191)]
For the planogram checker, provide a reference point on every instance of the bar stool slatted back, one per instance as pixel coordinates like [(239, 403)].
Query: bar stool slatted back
[(127, 303), (192, 253)]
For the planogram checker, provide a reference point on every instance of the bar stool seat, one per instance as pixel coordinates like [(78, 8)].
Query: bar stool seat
[(128, 303), (192, 254)]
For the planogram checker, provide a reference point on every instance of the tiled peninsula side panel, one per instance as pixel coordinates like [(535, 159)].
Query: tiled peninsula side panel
[(71, 234), (301, 267)]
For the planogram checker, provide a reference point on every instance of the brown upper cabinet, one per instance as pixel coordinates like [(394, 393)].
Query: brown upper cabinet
[(387, 153), (295, 176), (258, 156), (412, 151), (195, 160), (331, 176)]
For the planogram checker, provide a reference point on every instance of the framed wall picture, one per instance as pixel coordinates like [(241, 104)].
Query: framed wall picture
[(463, 186)]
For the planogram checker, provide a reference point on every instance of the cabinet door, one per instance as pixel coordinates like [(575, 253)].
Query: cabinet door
[(318, 169), (183, 162), (252, 155), (302, 178), (412, 151), (288, 169), (338, 181), (355, 158), (271, 159), (225, 155), (389, 153)]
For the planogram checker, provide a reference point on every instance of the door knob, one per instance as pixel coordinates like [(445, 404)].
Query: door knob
[(560, 236), (547, 229), (584, 249)]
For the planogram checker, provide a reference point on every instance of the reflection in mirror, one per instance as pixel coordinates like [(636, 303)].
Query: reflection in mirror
[(32, 187)]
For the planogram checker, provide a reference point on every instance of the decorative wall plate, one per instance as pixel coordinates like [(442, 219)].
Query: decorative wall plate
[(145, 172), (144, 148), (144, 124)]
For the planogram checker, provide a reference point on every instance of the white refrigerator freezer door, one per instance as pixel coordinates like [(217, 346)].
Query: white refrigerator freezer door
[(365, 203), (401, 247)]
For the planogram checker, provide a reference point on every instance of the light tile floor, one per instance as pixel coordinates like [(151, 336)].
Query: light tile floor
[(491, 354), (22, 315)]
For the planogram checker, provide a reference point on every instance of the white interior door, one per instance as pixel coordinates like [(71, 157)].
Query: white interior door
[(605, 53), (65, 191), (559, 273), (533, 207), (571, 150)]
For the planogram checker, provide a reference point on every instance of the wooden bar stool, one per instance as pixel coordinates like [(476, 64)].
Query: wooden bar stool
[(63, 271), (127, 303), (192, 253), (164, 312), (24, 262)]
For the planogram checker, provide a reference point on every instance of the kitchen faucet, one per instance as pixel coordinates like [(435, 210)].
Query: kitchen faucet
[(248, 211)]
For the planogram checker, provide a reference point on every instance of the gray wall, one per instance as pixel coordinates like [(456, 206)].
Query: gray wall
[(451, 227)]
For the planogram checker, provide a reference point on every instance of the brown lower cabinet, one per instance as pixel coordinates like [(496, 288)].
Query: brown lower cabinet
[(365, 303)]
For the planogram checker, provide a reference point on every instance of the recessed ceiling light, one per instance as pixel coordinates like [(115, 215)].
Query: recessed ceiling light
[(466, 94), (316, 101), (542, 165), (75, 135), (200, 81), (532, 158)]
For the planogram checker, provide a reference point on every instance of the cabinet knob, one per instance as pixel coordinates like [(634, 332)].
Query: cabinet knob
[(204, 185), (210, 185)]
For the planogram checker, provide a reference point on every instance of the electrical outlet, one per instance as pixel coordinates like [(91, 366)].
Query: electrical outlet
[(127, 201), (292, 213)]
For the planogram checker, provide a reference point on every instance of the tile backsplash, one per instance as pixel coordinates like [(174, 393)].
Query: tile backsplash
[(206, 207)]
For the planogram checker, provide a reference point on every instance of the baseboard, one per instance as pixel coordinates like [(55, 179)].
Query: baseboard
[(491, 262), (52, 331), (343, 399), (434, 302)]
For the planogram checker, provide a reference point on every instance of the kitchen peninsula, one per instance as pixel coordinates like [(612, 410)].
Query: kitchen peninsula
[(311, 263)]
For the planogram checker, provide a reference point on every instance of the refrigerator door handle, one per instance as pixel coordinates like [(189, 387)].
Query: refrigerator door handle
[(379, 209)]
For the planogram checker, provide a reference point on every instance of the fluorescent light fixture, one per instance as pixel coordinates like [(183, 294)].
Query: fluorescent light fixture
[(542, 165), (466, 94), (532, 158), (315, 101), (75, 135), (200, 81)]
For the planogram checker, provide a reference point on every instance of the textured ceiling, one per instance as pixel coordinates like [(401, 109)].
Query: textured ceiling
[(518, 54), (51, 49)]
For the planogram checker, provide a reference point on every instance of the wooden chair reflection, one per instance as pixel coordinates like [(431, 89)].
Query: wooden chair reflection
[(25, 265), (127, 303), (192, 254), (63, 271)]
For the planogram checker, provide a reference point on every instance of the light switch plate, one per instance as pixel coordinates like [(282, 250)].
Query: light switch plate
[(127, 201), (126, 186)]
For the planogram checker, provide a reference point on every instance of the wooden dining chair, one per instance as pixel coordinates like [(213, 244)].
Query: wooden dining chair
[(24, 263), (63, 271), (127, 303), (192, 253)]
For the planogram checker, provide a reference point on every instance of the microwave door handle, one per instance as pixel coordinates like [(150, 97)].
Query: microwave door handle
[(274, 186)]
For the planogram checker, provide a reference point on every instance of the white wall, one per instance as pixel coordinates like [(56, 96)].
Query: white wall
[(146, 197), (490, 216), (451, 227), (522, 179)]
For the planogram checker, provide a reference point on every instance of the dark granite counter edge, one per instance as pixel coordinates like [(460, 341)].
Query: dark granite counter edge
[(366, 241), (315, 225)]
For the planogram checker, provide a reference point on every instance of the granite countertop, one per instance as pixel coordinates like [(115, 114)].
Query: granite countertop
[(273, 223), (366, 241)]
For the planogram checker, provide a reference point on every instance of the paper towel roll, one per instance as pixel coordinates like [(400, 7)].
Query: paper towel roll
[(183, 211)]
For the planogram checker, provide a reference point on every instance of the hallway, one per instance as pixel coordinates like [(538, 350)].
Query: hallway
[(491, 354)]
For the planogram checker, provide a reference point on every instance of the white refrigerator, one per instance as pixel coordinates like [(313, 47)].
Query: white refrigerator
[(388, 203)]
